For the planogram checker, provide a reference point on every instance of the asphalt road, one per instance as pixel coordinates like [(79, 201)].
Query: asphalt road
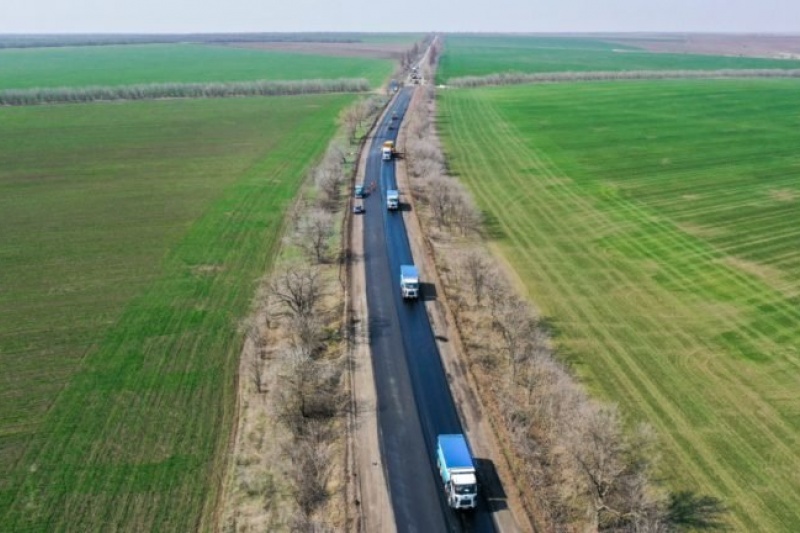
[(414, 400)]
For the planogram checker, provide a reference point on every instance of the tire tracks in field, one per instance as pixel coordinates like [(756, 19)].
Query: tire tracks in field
[(519, 151), (508, 205)]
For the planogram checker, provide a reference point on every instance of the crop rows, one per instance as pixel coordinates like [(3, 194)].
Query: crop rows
[(173, 63), (480, 56), (653, 224), (133, 237)]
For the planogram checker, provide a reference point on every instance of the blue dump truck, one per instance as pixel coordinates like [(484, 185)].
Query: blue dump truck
[(457, 470)]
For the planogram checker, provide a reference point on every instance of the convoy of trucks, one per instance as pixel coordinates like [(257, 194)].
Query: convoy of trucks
[(409, 281), (454, 460), (457, 470)]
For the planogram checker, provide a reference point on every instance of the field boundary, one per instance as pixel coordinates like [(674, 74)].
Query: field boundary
[(519, 78), (158, 91)]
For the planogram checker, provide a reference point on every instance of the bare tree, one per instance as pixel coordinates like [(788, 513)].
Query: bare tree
[(350, 120), (307, 334), (329, 179), (311, 458), (466, 215), (476, 268), (257, 373), (517, 329), (614, 471), (298, 289), (497, 292), (314, 234)]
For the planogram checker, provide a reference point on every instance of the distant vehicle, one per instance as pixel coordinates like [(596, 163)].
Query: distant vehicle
[(409, 281), (392, 199), (457, 470), (394, 115), (359, 191), (358, 209)]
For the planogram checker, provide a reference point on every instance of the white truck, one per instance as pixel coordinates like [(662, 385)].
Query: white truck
[(409, 281), (457, 470), (392, 199)]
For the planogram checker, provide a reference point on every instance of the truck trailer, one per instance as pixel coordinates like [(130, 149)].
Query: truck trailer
[(409, 281), (457, 470)]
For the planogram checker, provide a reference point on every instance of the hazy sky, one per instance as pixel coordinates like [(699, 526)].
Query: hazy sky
[(111, 16)]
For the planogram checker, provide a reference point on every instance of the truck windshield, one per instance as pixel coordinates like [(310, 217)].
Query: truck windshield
[(411, 285), (466, 489)]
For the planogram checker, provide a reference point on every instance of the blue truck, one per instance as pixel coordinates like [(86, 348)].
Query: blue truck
[(457, 470)]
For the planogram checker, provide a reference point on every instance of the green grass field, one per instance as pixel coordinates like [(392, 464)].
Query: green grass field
[(477, 56), (656, 225), (132, 64), (132, 237)]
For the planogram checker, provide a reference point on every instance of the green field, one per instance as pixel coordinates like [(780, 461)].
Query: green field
[(478, 56), (132, 237), (132, 64), (656, 225)]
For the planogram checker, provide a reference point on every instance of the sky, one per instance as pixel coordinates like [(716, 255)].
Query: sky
[(184, 16)]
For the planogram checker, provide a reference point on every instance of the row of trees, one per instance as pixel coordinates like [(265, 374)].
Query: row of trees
[(516, 78), (299, 363), (575, 462), (355, 117), (450, 205), (104, 39), (150, 91)]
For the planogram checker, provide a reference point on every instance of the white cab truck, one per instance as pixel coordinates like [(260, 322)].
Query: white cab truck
[(387, 150), (457, 470), (392, 199), (409, 281)]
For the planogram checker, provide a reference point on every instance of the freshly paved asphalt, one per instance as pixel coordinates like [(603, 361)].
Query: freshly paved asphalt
[(414, 400)]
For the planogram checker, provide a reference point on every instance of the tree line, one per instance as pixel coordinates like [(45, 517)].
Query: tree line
[(517, 78), (152, 91), (106, 39)]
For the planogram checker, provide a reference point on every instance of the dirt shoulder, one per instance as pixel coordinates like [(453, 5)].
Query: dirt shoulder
[(507, 509), (369, 486)]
